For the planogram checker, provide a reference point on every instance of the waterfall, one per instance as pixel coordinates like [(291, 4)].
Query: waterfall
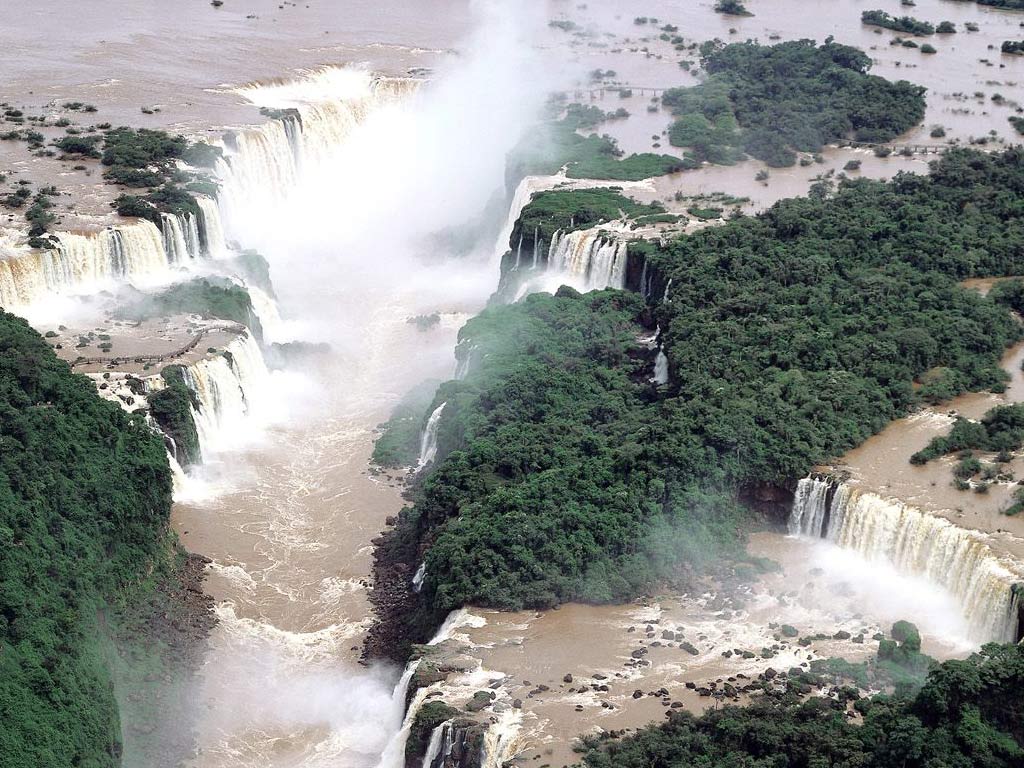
[(80, 262), (916, 543), (175, 245), (428, 442), (501, 740), (464, 357), (225, 387), (592, 258), (668, 286), (267, 312), (417, 579), (316, 113), (393, 755), (643, 280), (660, 368), (440, 746), (520, 199), (210, 230)]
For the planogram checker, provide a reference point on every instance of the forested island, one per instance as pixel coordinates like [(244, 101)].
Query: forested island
[(564, 473), (771, 102)]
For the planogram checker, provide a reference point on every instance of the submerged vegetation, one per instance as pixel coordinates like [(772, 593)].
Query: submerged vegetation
[(1001, 430), (906, 24), (563, 474), (774, 101), (554, 144)]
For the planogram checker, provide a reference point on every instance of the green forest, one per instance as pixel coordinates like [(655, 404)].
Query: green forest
[(565, 474), (85, 496), (969, 714), (773, 101)]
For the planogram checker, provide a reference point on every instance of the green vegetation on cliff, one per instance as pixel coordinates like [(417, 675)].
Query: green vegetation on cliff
[(85, 495), (773, 101), (199, 296), (563, 474), (171, 408), (399, 442), (571, 209), (969, 714)]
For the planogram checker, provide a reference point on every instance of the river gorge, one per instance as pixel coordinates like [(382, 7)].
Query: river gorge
[(363, 199)]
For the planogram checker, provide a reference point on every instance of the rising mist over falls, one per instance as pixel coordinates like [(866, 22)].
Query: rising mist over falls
[(352, 200)]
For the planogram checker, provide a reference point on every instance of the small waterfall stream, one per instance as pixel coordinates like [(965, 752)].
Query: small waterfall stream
[(916, 543), (428, 442), (225, 386), (440, 746), (589, 257)]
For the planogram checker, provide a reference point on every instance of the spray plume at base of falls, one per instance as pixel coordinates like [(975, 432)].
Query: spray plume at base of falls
[(350, 238), (916, 543)]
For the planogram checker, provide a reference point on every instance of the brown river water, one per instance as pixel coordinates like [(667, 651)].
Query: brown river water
[(288, 514)]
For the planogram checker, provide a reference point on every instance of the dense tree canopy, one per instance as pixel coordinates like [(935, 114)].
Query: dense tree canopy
[(565, 474), (85, 494), (770, 101)]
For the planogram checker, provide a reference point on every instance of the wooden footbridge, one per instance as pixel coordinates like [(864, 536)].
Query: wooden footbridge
[(596, 94)]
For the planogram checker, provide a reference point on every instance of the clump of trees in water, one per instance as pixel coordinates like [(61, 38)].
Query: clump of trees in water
[(85, 498), (1015, 47), (732, 8), (1001, 430), (906, 24), (968, 714), (774, 101), (147, 159), (563, 473), (171, 408)]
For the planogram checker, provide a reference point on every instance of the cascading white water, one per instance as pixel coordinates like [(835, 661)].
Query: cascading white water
[(264, 163), (226, 387), (440, 746), (80, 262), (520, 199), (419, 576), (916, 543), (660, 368), (465, 355), (589, 257), (210, 230), (428, 442), (267, 312), (175, 245), (501, 740)]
